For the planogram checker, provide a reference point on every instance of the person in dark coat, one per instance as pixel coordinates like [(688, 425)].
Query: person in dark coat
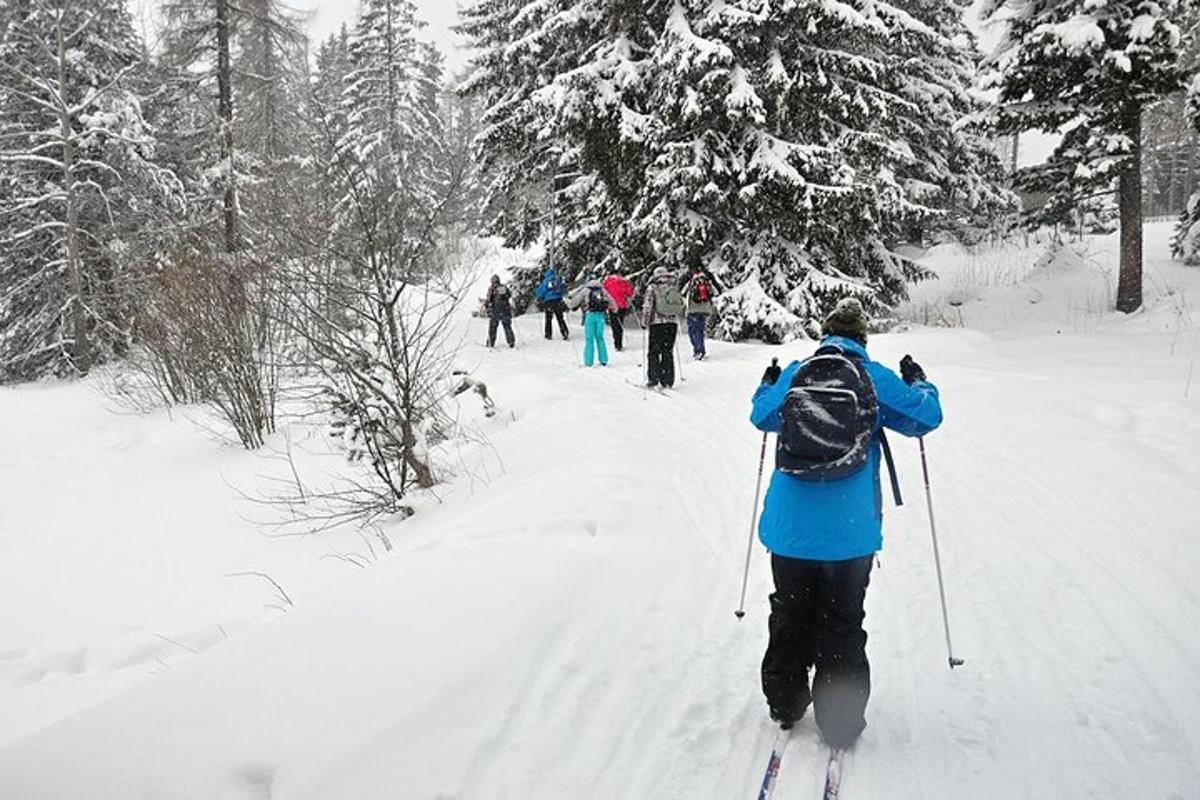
[(499, 310), (551, 293), (823, 536)]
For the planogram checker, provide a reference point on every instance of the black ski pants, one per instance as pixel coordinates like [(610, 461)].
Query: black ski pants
[(660, 369), (494, 323), (816, 620), (554, 309), (616, 321)]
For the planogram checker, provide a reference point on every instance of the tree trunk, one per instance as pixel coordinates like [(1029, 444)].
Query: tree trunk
[(81, 351), (225, 113), (1129, 284)]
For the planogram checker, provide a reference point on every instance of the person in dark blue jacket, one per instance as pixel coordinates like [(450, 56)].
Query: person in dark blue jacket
[(550, 293), (822, 536)]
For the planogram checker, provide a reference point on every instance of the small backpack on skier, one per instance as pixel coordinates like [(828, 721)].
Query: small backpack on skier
[(701, 289), (668, 300), (597, 300), (828, 418), (501, 302)]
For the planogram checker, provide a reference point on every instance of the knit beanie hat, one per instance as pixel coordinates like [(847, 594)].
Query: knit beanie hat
[(847, 319)]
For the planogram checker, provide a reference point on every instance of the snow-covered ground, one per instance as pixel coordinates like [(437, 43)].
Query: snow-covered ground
[(560, 624)]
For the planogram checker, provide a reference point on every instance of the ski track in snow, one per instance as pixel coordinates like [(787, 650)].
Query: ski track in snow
[(562, 625)]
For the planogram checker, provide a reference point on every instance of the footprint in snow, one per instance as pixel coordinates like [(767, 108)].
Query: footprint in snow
[(258, 779)]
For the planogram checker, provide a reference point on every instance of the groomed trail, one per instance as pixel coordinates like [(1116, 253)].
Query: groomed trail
[(561, 625)]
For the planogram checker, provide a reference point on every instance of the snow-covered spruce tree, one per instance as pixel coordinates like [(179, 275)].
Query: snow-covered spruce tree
[(197, 61), (1171, 145), (1170, 148), (233, 88), (804, 142), (563, 146), (394, 135), (1186, 243), (786, 146), (270, 93), (955, 167), (1089, 68), (76, 184), (328, 83)]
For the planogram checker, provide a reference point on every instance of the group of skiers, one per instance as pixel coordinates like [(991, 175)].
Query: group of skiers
[(606, 303), (822, 515)]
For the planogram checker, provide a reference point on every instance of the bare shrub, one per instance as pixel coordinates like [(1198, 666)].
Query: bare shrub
[(210, 334)]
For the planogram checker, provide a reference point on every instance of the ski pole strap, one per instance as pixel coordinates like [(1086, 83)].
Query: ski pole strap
[(891, 466)]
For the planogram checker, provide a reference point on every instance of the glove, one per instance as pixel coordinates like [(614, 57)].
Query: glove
[(911, 371), (772, 373)]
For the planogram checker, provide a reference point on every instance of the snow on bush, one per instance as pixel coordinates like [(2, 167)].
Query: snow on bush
[(748, 312)]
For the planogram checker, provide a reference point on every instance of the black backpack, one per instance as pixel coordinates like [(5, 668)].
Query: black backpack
[(829, 418), (500, 299), (597, 299)]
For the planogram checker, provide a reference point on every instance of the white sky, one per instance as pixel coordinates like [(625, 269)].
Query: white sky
[(439, 14)]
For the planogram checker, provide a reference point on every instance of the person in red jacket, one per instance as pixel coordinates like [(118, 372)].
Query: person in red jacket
[(621, 291)]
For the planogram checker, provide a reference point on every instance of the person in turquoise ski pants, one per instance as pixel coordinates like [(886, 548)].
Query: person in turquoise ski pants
[(594, 325), (596, 302)]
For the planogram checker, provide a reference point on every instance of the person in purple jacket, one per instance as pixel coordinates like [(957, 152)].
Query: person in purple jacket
[(823, 535)]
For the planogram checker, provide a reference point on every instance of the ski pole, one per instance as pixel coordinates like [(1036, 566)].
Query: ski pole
[(678, 363), (645, 364), (645, 361), (762, 457), (937, 560)]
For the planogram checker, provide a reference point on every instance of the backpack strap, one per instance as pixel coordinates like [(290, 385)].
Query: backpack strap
[(891, 466)]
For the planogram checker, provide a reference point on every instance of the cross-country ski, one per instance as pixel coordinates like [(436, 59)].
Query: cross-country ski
[(774, 764), (833, 775)]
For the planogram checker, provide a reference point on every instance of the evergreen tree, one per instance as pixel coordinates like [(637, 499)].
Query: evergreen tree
[(233, 77), (787, 147), (197, 59), (78, 181), (557, 82), (1186, 243), (270, 119), (393, 148), (1089, 68)]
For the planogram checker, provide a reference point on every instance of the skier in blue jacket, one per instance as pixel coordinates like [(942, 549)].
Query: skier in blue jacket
[(822, 536), (550, 293)]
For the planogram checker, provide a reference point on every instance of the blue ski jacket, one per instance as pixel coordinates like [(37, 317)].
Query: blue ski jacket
[(840, 519), (551, 288)]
